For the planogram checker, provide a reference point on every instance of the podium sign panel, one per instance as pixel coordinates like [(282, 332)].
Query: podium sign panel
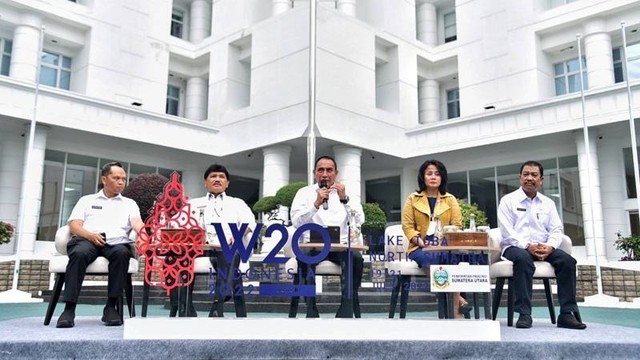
[(460, 278)]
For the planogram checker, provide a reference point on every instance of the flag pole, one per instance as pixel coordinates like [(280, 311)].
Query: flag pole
[(14, 295)]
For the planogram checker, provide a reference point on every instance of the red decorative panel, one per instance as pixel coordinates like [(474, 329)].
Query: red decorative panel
[(171, 239)]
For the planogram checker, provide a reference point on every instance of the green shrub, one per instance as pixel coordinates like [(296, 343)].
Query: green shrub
[(6, 232), (468, 209), (285, 195), (266, 205), (374, 218), (630, 246)]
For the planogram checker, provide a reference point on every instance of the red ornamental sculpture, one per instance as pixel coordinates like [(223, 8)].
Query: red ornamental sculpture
[(171, 239)]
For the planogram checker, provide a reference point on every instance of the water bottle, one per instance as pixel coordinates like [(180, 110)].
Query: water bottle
[(472, 222)]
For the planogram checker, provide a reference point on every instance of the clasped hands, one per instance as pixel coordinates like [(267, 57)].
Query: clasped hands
[(540, 251)]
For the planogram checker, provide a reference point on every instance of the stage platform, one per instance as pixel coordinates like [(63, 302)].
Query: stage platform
[(325, 338)]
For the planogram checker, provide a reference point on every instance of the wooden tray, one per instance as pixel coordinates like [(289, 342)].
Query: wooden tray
[(467, 238)]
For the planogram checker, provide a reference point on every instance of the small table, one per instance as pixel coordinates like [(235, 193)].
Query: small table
[(449, 296)]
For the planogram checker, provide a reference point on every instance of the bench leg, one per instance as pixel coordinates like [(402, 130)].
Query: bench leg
[(510, 300), (547, 293), (497, 296), (395, 290), (57, 289), (128, 290), (405, 281)]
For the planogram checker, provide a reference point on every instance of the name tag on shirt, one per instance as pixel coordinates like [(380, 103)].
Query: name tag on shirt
[(96, 207), (521, 209)]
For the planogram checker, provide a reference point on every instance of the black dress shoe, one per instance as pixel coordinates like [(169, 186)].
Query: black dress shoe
[(66, 319), (110, 316), (568, 321), (524, 321)]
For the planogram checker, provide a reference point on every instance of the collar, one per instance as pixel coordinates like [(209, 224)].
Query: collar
[(522, 196), (100, 194), (221, 196)]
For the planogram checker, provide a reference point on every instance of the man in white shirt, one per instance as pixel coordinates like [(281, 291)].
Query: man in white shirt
[(532, 231), (100, 224), (218, 207), (329, 205)]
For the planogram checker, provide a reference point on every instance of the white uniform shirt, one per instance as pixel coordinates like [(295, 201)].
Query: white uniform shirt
[(303, 211), (524, 221), (222, 209), (111, 216)]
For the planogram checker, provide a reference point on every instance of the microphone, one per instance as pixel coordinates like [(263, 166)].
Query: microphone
[(324, 184)]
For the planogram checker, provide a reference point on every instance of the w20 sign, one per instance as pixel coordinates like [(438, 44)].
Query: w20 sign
[(245, 252)]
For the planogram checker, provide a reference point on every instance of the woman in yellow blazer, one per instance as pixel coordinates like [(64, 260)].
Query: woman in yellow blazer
[(421, 209)]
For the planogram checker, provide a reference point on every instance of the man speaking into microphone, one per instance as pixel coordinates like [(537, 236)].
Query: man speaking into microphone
[(326, 203)]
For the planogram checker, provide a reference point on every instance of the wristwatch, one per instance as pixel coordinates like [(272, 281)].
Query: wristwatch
[(345, 200)]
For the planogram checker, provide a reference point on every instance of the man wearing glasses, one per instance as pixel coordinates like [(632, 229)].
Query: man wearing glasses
[(532, 231), (100, 224)]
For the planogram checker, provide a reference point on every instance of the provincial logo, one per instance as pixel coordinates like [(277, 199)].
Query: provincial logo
[(441, 278)]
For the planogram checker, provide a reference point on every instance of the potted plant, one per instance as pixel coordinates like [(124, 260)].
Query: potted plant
[(630, 246), (375, 221), (267, 205), (144, 190), (468, 209), (6, 232), (285, 195)]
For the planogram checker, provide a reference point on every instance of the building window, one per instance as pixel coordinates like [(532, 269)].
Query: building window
[(633, 66), (5, 46), (450, 31), (173, 100), (67, 177), (566, 76), (556, 3), (55, 70), (177, 23), (386, 193), (453, 103)]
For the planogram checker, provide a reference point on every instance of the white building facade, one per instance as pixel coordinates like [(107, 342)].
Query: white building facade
[(175, 85)]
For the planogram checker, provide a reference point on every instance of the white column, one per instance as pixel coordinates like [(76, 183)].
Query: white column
[(408, 182), (26, 44), (275, 173), (200, 20), (280, 6), (32, 180), (597, 49), (192, 181), (428, 101), (196, 99), (11, 163), (614, 194), (426, 23), (589, 175), (347, 7), (348, 160)]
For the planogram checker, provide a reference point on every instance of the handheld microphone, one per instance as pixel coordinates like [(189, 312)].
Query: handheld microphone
[(324, 184)]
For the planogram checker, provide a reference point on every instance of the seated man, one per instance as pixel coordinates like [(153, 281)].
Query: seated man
[(100, 224), (218, 207), (326, 203), (532, 230)]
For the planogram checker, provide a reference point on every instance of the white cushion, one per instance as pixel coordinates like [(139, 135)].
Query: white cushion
[(504, 268), (58, 264), (400, 264)]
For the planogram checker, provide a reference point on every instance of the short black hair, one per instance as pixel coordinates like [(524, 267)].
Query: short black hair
[(216, 168), (325, 157), (442, 189), (532, 163), (106, 169)]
